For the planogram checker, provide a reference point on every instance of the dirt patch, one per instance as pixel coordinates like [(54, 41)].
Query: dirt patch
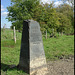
[(61, 67)]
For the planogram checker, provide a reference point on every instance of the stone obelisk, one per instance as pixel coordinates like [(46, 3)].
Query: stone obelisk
[(32, 56)]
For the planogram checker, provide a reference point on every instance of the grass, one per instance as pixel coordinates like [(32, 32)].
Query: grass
[(61, 47), (10, 53), (55, 48)]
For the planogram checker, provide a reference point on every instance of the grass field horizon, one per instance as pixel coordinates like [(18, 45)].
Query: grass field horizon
[(55, 49)]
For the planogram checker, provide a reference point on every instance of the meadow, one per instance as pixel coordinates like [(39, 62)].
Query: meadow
[(55, 49)]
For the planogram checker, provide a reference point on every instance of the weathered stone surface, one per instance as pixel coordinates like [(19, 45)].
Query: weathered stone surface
[(32, 56), (37, 55)]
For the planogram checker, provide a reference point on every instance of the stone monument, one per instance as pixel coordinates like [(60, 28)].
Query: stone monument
[(32, 56)]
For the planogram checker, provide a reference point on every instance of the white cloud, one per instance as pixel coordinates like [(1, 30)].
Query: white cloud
[(4, 13), (57, 3), (68, 3), (47, 1), (2, 8)]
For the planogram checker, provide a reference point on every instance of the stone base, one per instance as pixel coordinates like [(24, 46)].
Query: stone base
[(38, 66), (42, 71)]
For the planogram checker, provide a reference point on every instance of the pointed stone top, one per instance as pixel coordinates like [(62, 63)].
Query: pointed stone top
[(29, 20)]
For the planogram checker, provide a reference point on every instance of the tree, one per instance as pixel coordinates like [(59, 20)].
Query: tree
[(69, 1), (51, 18), (66, 14), (59, 19), (65, 23), (21, 10)]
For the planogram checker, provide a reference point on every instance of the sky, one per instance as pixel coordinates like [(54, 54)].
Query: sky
[(4, 12), (4, 4)]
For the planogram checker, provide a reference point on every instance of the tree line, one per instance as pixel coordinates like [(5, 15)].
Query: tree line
[(51, 18)]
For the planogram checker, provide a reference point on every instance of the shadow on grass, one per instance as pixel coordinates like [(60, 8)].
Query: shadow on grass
[(6, 67)]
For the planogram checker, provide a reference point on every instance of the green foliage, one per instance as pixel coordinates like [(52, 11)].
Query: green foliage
[(21, 10), (66, 18), (60, 18)]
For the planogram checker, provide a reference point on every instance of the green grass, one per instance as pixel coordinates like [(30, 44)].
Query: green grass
[(8, 34), (62, 46), (10, 53)]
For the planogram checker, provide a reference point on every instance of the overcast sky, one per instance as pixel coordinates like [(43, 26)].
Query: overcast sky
[(6, 3)]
